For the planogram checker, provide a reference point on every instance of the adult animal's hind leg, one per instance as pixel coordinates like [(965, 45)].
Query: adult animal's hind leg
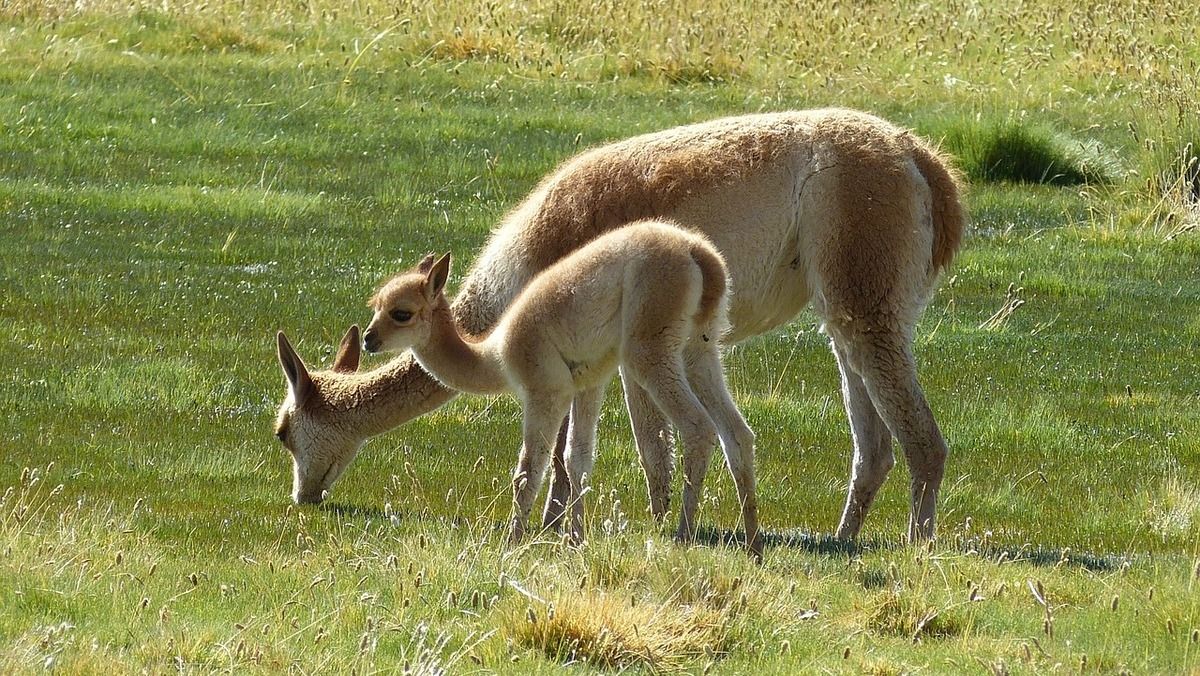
[(885, 362), (652, 434), (871, 260), (873, 457)]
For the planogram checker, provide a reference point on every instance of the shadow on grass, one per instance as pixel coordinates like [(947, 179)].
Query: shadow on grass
[(827, 545), (355, 511), (396, 518), (1043, 556), (819, 544)]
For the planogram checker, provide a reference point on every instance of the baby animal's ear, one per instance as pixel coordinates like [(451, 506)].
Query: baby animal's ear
[(426, 264), (349, 352), (435, 279)]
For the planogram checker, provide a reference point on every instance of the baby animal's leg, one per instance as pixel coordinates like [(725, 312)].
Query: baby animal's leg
[(659, 370), (737, 439), (560, 484), (652, 434), (581, 449), (542, 418)]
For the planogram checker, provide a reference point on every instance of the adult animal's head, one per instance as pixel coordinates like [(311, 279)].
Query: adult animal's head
[(314, 423)]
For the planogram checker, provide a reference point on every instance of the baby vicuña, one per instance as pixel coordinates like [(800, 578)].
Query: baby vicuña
[(649, 298)]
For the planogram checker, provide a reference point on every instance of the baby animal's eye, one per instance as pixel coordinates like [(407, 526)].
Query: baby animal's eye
[(281, 435), (401, 316)]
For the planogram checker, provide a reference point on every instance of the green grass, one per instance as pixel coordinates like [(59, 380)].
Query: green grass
[(174, 187), (1020, 153)]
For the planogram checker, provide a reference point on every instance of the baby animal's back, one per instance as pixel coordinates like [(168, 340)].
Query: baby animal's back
[(641, 278)]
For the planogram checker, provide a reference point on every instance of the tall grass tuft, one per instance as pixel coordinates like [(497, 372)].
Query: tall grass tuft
[(909, 614), (1179, 178), (614, 632), (1019, 152)]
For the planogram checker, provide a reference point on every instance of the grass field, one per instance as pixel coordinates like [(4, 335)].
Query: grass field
[(179, 181)]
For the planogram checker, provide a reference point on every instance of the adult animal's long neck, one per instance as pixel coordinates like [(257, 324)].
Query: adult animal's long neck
[(372, 402), (369, 403), (466, 366)]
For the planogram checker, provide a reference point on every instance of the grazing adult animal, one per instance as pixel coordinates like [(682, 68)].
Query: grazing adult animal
[(835, 209), (648, 298)]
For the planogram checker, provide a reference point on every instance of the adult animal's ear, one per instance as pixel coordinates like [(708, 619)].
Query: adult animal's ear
[(426, 264), (435, 279), (349, 352), (294, 370)]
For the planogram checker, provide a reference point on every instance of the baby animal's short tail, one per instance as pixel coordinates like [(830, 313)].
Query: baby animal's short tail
[(711, 313)]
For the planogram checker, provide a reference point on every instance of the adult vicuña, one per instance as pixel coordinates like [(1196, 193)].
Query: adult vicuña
[(833, 208), (649, 298)]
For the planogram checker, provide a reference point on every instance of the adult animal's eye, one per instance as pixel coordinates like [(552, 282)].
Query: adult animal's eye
[(401, 316)]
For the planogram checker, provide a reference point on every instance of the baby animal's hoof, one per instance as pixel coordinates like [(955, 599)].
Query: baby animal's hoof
[(516, 533)]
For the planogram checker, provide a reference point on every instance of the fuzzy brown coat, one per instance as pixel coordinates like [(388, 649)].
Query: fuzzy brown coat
[(648, 297), (833, 209)]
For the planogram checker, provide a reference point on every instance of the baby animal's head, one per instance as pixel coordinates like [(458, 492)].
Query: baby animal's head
[(404, 307)]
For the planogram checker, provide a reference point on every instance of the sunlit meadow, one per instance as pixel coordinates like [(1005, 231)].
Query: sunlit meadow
[(180, 180)]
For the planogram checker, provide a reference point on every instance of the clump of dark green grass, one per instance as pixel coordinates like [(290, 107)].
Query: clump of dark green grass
[(1021, 152)]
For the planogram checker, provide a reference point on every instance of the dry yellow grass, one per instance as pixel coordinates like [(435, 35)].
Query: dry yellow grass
[(612, 632), (815, 41), (1126, 74)]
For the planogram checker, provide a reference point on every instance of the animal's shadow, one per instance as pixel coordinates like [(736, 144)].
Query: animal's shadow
[(344, 510), (827, 545), (813, 543), (368, 515)]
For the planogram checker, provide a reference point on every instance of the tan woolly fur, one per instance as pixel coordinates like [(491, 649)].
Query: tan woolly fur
[(648, 298), (832, 209)]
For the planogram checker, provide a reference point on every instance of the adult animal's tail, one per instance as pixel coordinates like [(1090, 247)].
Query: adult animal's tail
[(945, 187)]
